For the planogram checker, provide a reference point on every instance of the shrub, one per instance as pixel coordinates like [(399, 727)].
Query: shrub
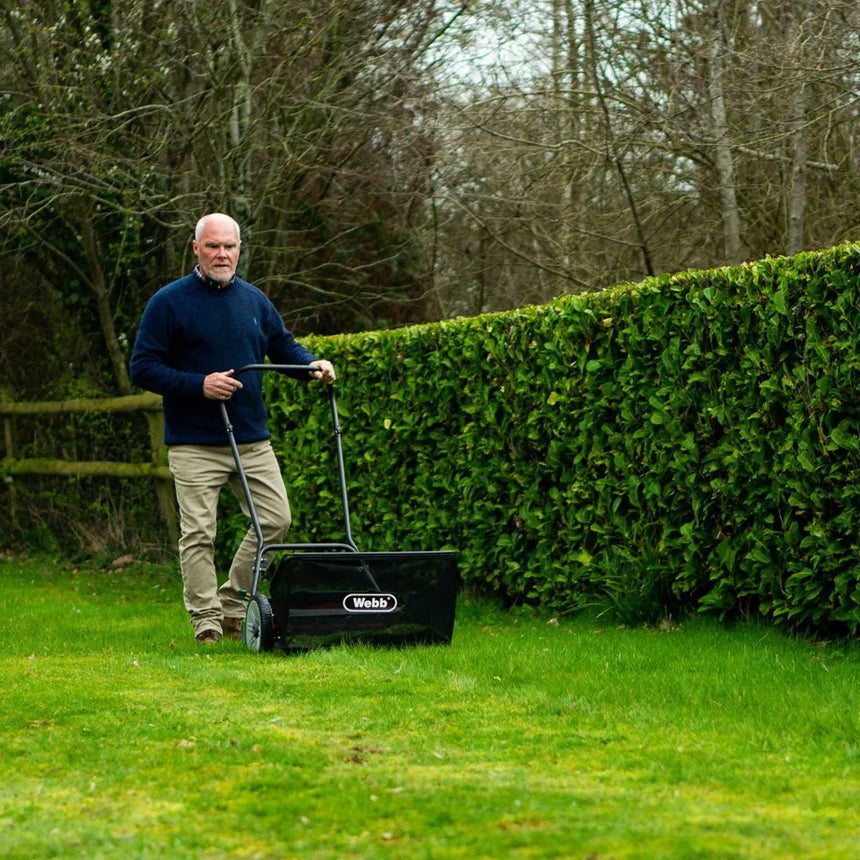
[(687, 442)]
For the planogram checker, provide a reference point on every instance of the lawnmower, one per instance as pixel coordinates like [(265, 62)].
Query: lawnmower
[(325, 594)]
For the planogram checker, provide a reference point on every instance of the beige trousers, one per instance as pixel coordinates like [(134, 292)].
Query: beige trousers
[(199, 472)]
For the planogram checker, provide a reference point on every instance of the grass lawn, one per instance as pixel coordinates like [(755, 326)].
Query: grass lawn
[(528, 737)]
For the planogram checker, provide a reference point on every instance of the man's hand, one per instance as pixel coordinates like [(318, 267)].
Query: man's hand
[(220, 386), (326, 371)]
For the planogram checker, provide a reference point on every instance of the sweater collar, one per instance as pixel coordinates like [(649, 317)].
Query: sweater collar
[(215, 285)]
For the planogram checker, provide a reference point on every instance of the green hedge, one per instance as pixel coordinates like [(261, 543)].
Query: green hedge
[(687, 442)]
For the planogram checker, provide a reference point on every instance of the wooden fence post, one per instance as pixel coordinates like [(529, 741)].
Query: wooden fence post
[(9, 435), (163, 486)]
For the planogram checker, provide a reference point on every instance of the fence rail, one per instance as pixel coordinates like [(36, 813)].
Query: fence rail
[(131, 403), (149, 404)]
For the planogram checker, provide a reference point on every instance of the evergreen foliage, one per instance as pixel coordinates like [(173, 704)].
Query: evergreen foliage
[(687, 442)]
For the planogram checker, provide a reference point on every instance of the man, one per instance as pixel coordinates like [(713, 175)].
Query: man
[(195, 332)]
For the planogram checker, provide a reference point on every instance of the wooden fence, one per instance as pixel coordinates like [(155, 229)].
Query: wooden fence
[(156, 469)]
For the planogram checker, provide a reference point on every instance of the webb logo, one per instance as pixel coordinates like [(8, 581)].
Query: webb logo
[(372, 602)]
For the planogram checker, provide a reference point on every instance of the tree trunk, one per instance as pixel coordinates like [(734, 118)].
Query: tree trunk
[(722, 141), (798, 137), (614, 152), (101, 290)]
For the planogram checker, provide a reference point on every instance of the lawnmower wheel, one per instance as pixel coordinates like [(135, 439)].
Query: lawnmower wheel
[(259, 629)]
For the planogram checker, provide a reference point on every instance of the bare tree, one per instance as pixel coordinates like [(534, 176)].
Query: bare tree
[(722, 141), (395, 161), (122, 121), (638, 137), (797, 130)]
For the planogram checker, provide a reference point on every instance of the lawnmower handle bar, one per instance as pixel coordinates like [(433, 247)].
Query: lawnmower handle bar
[(282, 368)]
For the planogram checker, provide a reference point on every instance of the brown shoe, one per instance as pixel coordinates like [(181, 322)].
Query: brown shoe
[(232, 627), (208, 637)]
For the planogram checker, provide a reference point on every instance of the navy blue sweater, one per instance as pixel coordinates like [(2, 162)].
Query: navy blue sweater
[(191, 328)]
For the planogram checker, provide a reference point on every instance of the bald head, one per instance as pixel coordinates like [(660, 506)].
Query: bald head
[(225, 221)]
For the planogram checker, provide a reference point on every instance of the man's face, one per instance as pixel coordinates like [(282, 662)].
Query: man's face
[(217, 250)]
